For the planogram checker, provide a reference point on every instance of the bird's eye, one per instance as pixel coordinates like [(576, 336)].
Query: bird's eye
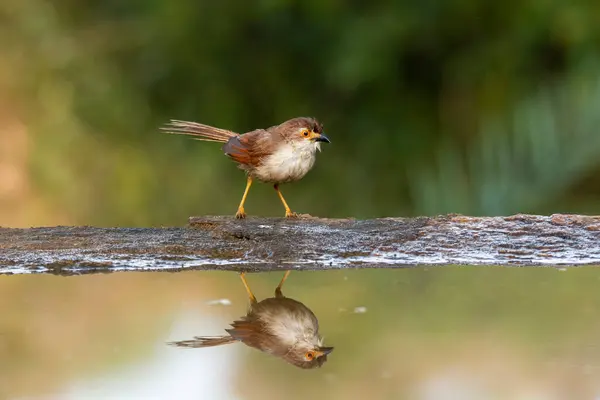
[(305, 133), (309, 355)]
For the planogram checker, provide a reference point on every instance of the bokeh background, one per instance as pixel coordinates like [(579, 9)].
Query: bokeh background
[(474, 107), (433, 107)]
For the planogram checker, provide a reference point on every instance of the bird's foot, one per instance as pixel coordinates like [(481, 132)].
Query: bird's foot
[(291, 214), (240, 214)]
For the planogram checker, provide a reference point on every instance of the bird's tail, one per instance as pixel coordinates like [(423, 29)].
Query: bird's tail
[(204, 341), (199, 131)]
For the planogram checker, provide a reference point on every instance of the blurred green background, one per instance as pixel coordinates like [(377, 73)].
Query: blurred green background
[(474, 107), (481, 108)]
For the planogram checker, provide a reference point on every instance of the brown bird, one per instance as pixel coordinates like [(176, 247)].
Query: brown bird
[(279, 326), (279, 154)]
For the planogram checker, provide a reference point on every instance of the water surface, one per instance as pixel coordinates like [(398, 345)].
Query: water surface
[(420, 333)]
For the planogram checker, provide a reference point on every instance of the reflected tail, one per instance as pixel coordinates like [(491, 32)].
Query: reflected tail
[(204, 341)]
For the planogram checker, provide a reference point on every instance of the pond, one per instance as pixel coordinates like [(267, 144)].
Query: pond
[(414, 333)]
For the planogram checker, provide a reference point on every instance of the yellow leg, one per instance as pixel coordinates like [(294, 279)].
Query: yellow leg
[(250, 295), (278, 289), (288, 212), (240, 214)]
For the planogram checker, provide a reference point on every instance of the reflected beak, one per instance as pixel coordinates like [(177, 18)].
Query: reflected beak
[(322, 138), (323, 351)]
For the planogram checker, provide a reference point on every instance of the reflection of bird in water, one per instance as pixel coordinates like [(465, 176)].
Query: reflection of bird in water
[(279, 326)]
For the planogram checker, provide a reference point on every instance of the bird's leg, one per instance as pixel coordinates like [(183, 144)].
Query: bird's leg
[(250, 295), (240, 214), (278, 289), (288, 212)]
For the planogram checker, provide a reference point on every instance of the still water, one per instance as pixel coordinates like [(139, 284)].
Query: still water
[(421, 333)]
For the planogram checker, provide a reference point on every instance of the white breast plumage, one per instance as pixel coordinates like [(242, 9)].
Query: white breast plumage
[(291, 327), (289, 163)]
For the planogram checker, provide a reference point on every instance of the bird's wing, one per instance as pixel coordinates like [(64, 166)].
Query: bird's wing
[(250, 331), (244, 328), (251, 147)]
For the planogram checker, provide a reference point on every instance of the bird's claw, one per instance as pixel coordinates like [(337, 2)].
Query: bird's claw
[(240, 214), (290, 214)]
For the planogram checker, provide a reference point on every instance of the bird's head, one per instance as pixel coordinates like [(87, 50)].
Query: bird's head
[(306, 355), (304, 131)]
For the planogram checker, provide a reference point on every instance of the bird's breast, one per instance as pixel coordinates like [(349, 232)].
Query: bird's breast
[(286, 164), (290, 325)]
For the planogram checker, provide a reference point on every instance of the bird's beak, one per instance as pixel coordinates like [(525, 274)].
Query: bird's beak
[(322, 138), (323, 351)]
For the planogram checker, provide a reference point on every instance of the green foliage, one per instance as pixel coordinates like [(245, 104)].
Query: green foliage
[(417, 98), (519, 165)]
